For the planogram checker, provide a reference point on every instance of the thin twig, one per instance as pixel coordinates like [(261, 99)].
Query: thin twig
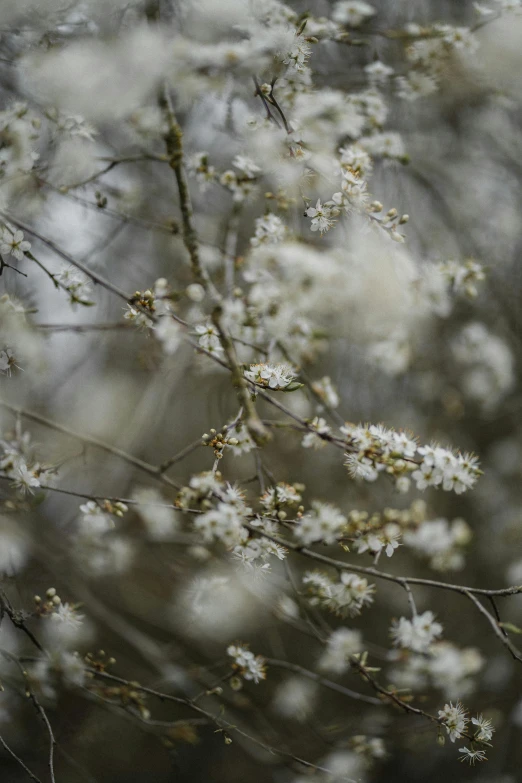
[(19, 760), (504, 638), (340, 565), (146, 467), (333, 686)]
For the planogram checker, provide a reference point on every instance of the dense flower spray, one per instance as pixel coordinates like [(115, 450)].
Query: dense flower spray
[(259, 357)]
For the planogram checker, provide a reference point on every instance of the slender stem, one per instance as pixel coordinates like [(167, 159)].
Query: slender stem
[(174, 145), (255, 426), (19, 760), (101, 327), (504, 638), (333, 686), (411, 599), (124, 217), (17, 619), (218, 721), (340, 565), (94, 276), (146, 467), (180, 455)]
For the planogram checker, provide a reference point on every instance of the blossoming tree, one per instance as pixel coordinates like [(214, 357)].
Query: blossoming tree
[(259, 453)]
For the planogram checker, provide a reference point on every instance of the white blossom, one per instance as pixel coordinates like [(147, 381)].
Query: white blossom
[(378, 71), (386, 539), (12, 242), (324, 523), (25, 478), (321, 216), (438, 540), (169, 334), (7, 361), (65, 626), (209, 338), (157, 515), (340, 646), (297, 53), (295, 698), (272, 376), (270, 229), (416, 85), (246, 166), (325, 389), (352, 12), (136, 316), (223, 523), (418, 633), (312, 440), (484, 728), (244, 443), (94, 521), (455, 720), (472, 756), (348, 596), (77, 284), (250, 666)]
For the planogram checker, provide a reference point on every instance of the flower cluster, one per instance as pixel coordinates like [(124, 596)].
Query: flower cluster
[(325, 389), (140, 307), (198, 166), (444, 666), (386, 539), (352, 12), (239, 439), (77, 285), (297, 52), (340, 646), (202, 489), (95, 521), (270, 229), (324, 523), (159, 518), (442, 467), (463, 278), (273, 376), (348, 596), (254, 554), (66, 623), (313, 440), (239, 185), (354, 165), (374, 448), (416, 634), (46, 672), (99, 546), (249, 666), (371, 748), (17, 462), (279, 500), (166, 329), (223, 523), (429, 55), (440, 541), (485, 362), (455, 720)]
